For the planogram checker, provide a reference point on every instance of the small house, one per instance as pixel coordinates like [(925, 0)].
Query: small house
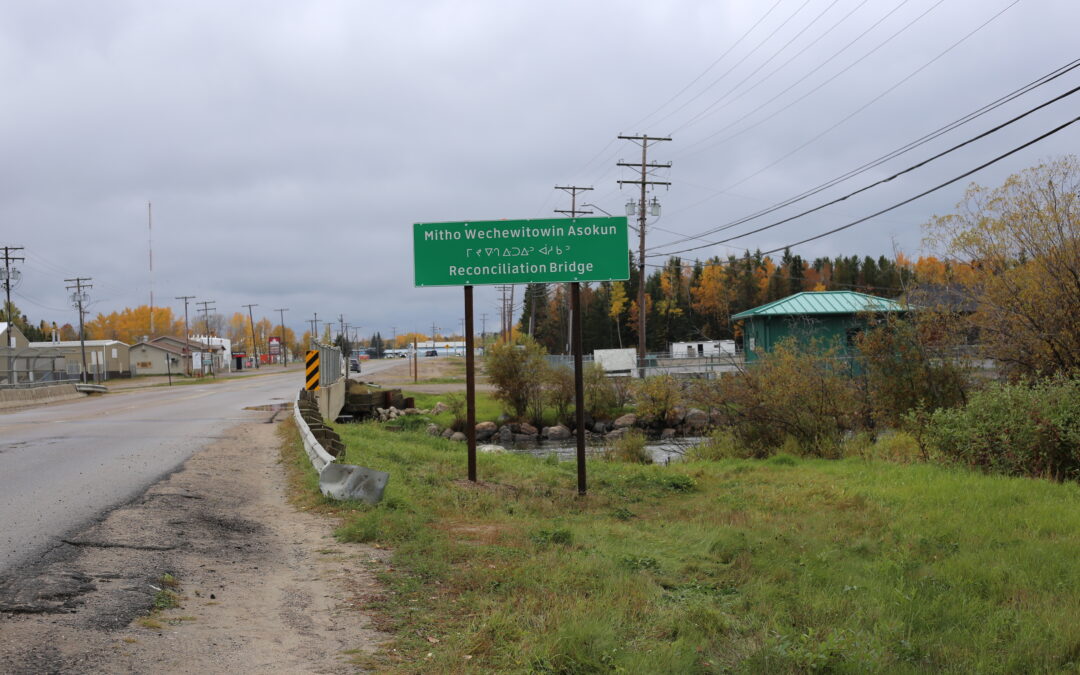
[(159, 358), (831, 318)]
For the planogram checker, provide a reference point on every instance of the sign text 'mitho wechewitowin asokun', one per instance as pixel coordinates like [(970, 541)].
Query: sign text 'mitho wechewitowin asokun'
[(520, 251)]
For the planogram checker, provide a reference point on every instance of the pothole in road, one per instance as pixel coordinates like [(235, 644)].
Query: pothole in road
[(270, 407)]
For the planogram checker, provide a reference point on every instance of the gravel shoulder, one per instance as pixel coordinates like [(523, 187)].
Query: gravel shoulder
[(264, 588)]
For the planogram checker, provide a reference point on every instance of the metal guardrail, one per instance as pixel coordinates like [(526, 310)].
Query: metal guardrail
[(338, 481)]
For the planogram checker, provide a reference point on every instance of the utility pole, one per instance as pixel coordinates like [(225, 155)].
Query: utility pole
[(187, 332), (79, 299), (506, 311), (254, 344), (11, 276), (573, 212), (433, 329), (645, 169), (206, 307), (150, 246), (315, 326), (281, 347)]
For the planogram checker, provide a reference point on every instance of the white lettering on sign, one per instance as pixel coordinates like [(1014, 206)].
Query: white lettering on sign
[(522, 268), (590, 230), (508, 233), (441, 235)]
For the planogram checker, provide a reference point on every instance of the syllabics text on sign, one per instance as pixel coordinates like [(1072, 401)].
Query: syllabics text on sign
[(520, 251)]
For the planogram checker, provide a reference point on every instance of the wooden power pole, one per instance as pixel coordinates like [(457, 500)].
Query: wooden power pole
[(644, 181)]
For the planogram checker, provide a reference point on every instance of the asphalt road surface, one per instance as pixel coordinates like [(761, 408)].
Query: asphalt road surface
[(65, 465)]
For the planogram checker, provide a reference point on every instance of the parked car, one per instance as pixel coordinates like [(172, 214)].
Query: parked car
[(431, 352), (354, 366)]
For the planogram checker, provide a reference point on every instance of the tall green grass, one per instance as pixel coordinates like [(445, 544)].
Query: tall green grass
[(777, 565)]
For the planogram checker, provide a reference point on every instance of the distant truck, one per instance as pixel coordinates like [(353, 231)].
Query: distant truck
[(693, 350)]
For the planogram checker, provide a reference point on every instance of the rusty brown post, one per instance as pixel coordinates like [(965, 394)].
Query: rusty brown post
[(470, 383), (579, 383)]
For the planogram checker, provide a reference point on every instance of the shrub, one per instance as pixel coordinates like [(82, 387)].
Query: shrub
[(516, 372), (1015, 429), (628, 448), (458, 407), (796, 397), (601, 395), (910, 364), (558, 384), (721, 444), (655, 396)]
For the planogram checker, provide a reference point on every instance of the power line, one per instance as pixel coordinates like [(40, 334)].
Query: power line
[(876, 183), (676, 95), (931, 190), (766, 62), (852, 114), (799, 80), (694, 81), (993, 105)]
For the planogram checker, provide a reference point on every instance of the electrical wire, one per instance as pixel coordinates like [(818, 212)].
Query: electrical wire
[(811, 72), (704, 72), (931, 190), (872, 101), (909, 169), (711, 108), (764, 63), (993, 105)]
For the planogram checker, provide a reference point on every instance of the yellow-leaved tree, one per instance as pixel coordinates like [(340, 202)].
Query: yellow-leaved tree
[(1022, 242)]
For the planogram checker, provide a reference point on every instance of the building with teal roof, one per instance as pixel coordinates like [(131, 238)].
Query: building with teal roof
[(827, 318)]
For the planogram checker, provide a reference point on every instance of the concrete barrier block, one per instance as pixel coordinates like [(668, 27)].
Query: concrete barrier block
[(347, 481)]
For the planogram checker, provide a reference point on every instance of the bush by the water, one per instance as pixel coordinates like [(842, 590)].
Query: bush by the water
[(630, 447), (1016, 429), (516, 371), (799, 396)]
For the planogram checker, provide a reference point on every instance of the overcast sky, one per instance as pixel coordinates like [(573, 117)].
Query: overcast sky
[(288, 147)]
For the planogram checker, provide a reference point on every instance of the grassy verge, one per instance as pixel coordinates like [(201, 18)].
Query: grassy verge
[(780, 565), (487, 408)]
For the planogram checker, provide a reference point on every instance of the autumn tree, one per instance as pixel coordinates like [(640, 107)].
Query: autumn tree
[(1022, 240), (617, 306), (712, 297), (130, 325)]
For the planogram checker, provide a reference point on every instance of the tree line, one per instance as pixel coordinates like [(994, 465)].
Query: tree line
[(694, 300)]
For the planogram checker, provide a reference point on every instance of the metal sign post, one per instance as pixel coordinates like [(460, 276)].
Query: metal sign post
[(470, 383), (579, 383)]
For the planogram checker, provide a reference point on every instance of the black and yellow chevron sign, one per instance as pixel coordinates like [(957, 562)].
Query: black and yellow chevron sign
[(311, 380)]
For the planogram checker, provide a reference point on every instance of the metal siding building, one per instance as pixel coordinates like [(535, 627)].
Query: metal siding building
[(105, 359), (830, 317)]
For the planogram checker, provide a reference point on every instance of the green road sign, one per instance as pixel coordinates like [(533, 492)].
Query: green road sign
[(520, 251)]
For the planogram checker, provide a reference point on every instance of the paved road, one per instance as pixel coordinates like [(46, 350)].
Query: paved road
[(64, 465), (67, 464)]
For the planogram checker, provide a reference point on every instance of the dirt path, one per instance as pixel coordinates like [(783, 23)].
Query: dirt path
[(265, 588)]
